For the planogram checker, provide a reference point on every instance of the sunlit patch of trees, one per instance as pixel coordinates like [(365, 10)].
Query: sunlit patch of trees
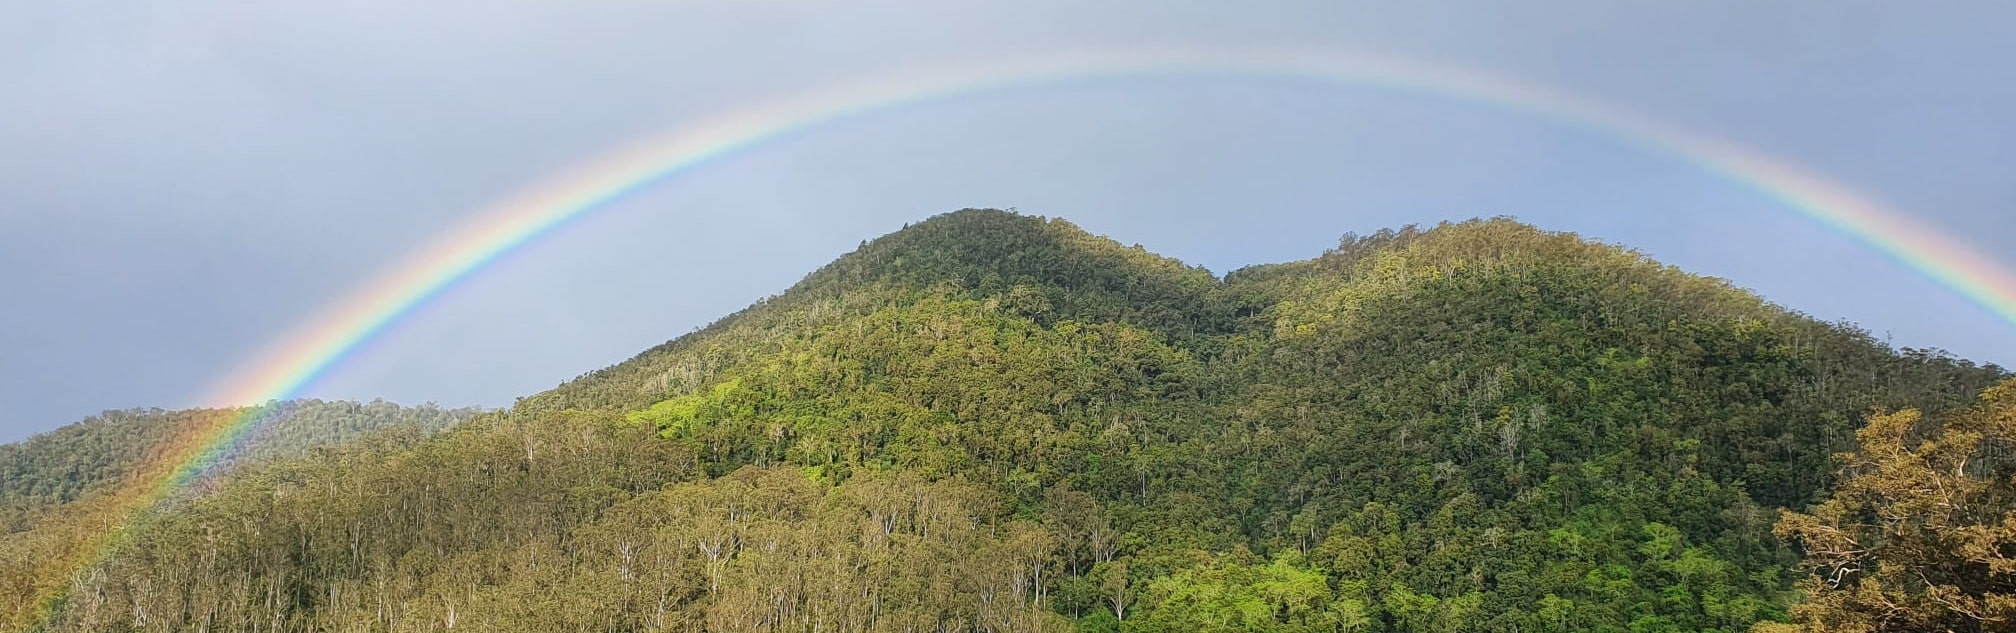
[(1921, 533)]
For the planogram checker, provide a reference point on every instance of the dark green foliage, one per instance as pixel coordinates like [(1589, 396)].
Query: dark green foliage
[(1476, 427)]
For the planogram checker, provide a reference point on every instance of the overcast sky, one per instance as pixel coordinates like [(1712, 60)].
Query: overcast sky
[(182, 182)]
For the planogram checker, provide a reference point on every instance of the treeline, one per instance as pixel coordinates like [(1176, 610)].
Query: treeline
[(991, 422)]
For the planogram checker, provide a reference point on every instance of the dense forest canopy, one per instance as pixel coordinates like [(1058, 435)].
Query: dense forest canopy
[(996, 422), (61, 492), (59, 466)]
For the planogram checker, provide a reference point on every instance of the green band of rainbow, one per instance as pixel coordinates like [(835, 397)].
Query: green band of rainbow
[(516, 221)]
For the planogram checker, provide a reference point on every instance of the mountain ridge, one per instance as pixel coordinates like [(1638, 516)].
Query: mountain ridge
[(1343, 259)]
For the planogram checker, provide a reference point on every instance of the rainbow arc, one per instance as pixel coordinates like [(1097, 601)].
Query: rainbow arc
[(288, 367)]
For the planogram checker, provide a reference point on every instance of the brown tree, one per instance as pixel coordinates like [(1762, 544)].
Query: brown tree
[(1921, 533)]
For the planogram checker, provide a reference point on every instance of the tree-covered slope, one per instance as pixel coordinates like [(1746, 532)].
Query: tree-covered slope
[(60, 465), (993, 422), (1463, 423), (61, 491), (1044, 270)]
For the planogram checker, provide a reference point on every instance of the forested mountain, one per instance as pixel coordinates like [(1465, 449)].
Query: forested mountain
[(994, 422)]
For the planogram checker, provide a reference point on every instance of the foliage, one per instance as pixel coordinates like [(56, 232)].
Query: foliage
[(1921, 535), (61, 492), (992, 422), (61, 465)]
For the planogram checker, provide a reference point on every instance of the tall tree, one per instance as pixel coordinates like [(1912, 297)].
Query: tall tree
[(1921, 535)]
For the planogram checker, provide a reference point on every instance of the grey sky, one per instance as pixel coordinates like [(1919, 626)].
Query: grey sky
[(180, 185)]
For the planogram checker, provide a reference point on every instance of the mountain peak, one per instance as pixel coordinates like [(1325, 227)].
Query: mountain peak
[(990, 250)]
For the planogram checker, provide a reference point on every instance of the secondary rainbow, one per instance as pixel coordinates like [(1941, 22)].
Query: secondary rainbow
[(491, 233)]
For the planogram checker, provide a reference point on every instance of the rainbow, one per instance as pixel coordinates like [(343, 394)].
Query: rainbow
[(303, 355)]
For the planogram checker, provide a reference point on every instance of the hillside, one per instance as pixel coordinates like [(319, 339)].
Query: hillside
[(62, 489), (61, 465), (994, 422)]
